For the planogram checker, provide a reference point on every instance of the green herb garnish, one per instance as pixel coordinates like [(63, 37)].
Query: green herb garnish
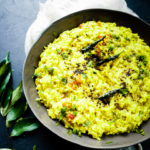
[(64, 55), (79, 134), (64, 80), (58, 51), (109, 142), (111, 48), (143, 59), (117, 37), (74, 97), (69, 131), (74, 131), (127, 57), (87, 123), (50, 71), (73, 107), (70, 51), (140, 131), (36, 75), (75, 113), (63, 111), (57, 123), (88, 54), (127, 38), (124, 91), (55, 34)]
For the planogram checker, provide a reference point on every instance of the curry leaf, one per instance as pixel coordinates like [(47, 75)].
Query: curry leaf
[(6, 102), (3, 63), (5, 75), (16, 111), (24, 125), (16, 95), (4, 83)]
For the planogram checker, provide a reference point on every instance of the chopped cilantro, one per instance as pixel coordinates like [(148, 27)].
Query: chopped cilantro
[(38, 99), (73, 107), (111, 48), (109, 142), (142, 72), (75, 113), (36, 75), (63, 111), (116, 36), (124, 91), (79, 134), (133, 54), (57, 123), (141, 76), (87, 123), (74, 131), (142, 58), (126, 38), (90, 64), (88, 54), (60, 117), (55, 34), (64, 80), (75, 97), (70, 51), (58, 51), (146, 73), (64, 55), (141, 113), (50, 70), (140, 131), (84, 75), (139, 64), (69, 131), (127, 57)]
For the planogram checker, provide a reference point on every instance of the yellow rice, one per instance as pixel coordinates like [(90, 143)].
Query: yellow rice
[(68, 81)]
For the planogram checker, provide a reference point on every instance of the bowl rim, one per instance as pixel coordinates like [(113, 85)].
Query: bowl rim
[(27, 98)]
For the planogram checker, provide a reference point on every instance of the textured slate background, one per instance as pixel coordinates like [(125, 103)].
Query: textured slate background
[(15, 18)]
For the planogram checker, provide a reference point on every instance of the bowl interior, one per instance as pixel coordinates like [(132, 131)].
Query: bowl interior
[(66, 23)]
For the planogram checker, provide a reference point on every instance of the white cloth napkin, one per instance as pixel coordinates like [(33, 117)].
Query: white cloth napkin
[(52, 10)]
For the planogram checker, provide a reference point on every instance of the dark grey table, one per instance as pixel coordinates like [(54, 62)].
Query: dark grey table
[(15, 18)]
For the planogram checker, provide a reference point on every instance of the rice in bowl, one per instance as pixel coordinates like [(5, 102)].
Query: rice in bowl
[(101, 90)]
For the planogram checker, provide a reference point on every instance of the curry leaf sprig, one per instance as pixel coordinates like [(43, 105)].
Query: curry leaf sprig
[(13, 103)]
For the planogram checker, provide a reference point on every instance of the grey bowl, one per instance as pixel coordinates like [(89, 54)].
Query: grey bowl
[(69, 22)]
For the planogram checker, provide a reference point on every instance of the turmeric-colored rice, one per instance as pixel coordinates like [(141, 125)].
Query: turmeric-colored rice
[(69, 82)]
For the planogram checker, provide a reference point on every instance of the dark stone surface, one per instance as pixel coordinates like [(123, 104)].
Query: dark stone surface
[(15, 18)]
